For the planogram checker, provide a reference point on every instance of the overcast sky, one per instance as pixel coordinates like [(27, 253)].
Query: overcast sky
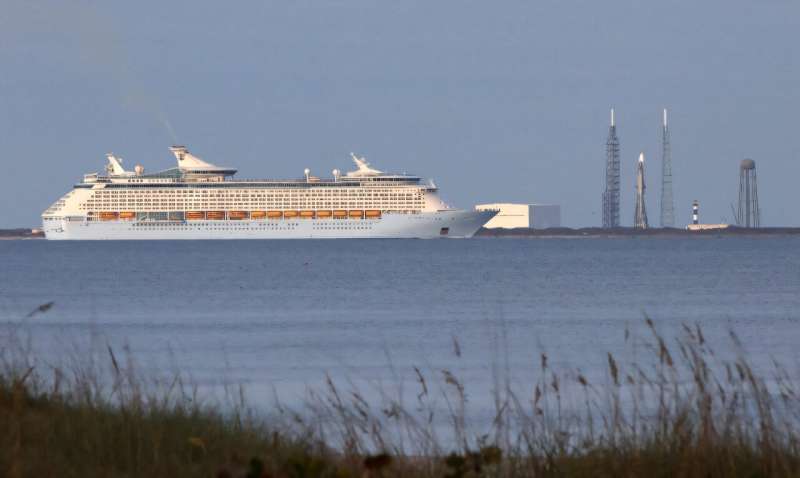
[(497, 101)]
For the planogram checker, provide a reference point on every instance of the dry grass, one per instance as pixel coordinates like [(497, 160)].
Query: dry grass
[(681, 410)]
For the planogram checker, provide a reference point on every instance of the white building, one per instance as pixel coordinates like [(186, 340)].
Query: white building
[(534, 216)]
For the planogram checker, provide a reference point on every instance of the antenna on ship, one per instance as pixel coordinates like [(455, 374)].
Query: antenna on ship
[(306, 172)]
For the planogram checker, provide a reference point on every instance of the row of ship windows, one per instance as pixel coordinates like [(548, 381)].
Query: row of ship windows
[(235, 193), (254, 196), (217, 228), (267, 205), (282, 227), (236, 201), (214, 224), (254, 201), (92, 207), (401, 201)]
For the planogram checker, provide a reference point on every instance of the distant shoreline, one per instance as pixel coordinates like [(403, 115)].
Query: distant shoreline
[(631, 232), (597, 232), (21, 233)]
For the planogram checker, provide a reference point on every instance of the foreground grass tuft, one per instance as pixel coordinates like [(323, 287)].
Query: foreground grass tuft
[(679, 411), (50, 434)]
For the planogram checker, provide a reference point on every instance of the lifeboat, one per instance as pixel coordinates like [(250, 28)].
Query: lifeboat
[(258, 214), (108, 216), (340, 213), (288, 214), (216, 215), (372, 214), (237, 215), (195, 215), (274, 214), (356, 214), (307, 214), (323, 214), (127, 215)]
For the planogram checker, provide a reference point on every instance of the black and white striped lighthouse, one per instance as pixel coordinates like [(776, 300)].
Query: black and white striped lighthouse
[(695, 212)]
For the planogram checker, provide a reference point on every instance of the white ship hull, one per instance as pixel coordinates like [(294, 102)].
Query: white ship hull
[(446, 223)]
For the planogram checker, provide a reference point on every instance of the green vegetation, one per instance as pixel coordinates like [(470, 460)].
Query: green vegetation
[(682, 411)]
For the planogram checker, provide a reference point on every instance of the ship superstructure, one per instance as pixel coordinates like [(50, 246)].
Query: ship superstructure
[(199, 200)]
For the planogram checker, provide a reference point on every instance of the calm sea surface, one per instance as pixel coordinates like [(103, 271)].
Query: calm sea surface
[(281, 314)]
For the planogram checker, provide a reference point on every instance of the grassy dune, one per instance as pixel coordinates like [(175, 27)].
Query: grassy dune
[(679, 411)]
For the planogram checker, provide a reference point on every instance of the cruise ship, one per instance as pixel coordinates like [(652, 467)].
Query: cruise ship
[(199, 200)]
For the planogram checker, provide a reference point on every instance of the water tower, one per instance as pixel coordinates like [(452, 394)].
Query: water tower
[(748, 214)]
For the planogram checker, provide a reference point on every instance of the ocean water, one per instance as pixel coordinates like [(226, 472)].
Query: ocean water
[(277, 316)]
